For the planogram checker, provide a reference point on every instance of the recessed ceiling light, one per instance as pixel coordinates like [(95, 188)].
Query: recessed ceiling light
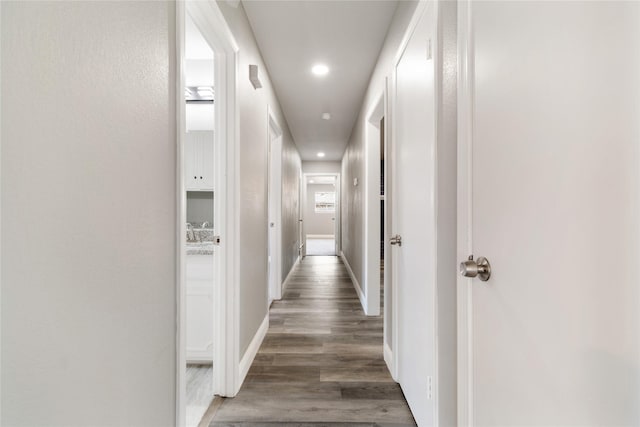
[(326, 116), (320, 69), (311, 181), (321, 154)]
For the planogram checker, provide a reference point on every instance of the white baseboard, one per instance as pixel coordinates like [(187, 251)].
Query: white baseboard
[(388, 358), (286, 280), (320, 236), (356, 284), (253, 348)]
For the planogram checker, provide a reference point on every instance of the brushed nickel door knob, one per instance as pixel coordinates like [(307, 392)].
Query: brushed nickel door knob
[(480, 269)]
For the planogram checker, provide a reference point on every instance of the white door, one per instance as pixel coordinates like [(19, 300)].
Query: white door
[(414, 218), (275, 200), (552, 175)]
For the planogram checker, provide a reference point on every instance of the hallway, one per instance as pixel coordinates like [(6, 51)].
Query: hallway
[(321, 361)]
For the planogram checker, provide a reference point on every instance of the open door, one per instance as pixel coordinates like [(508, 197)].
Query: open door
[(275, 210), (413, 218), (550, 195)]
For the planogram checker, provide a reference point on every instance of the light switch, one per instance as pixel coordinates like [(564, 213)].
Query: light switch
[(355, 182)]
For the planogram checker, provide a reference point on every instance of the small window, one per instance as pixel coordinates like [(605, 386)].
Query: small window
[(325, 202)]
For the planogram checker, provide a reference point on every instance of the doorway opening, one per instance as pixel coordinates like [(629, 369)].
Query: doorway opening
[(275, 209), (207, 360), (321, 214), (386, 284), (380, 293), (199, 182), (382, 215), (373, 205)]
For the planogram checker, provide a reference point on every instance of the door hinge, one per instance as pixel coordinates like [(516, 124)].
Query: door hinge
[(429, 387)]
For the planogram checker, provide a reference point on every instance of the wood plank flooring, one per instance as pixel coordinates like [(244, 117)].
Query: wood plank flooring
[(321, 363)]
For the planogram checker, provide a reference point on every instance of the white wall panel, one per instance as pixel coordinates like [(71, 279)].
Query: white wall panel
[(88, 213)]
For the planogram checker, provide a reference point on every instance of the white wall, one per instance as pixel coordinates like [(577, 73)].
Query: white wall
[(318, 223), (88, 213), (253, 163), (291, 205)]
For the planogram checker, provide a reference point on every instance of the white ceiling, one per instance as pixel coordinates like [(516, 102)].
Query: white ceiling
[(346, 36)]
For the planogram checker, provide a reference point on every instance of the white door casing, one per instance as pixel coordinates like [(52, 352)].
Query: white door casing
[(549, 192), (413, 214)]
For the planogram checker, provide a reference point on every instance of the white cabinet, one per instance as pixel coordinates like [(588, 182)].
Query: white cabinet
[(199, 308), (199, 160)]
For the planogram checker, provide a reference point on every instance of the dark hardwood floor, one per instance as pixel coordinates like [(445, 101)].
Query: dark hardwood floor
[(321, 363)]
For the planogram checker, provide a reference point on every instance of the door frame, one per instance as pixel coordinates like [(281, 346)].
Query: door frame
[(371, 225), (336, 221), (226, 380), (381, 108), (464, 200), (274, 197)]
